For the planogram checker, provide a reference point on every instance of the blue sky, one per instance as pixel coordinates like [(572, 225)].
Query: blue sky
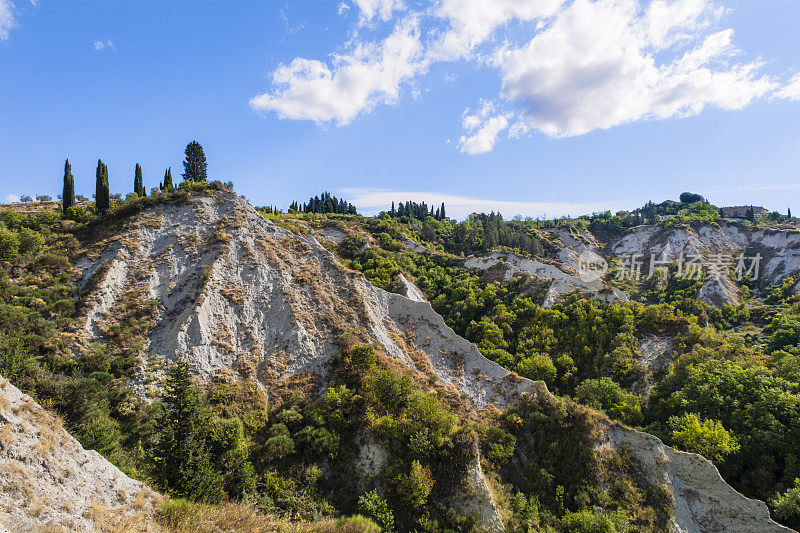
[(539, 107)]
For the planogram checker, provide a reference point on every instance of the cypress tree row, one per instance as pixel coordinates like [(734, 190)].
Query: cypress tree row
[(167, 186), (138, 188), (68, 197), (195, 166), (101, 197)]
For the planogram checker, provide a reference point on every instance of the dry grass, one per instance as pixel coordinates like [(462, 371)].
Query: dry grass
[(180, 516), (119, 520)]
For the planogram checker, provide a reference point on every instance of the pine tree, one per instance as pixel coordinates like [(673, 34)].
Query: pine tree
[(68, 197), (138, 188), (101, 197), (167, 185), (195, 166), (181, 458)]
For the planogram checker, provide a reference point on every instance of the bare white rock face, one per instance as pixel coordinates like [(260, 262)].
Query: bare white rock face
[(713, 244), (47, 479), (236, 291)]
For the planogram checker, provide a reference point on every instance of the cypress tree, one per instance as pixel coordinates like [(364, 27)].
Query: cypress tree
[(167, 185), (101, 196), (195, 166), (181, 457), (789, 214), (68, 197), (442, 213), (138, 188)]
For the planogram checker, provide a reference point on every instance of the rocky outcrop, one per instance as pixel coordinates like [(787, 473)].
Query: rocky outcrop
[(561, 283), (717, 248), (235, 291), (47, 479), (410, 290), (475, 496), (704, 503)]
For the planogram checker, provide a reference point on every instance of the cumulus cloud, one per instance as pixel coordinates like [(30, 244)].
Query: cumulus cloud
[(342, 8), (382, 9), (7, 21), (372, 201), (108, 44), (12, 198), (594, 68), (791, 91), (371, 73), (482, 127), (471, 22), (566, 67)]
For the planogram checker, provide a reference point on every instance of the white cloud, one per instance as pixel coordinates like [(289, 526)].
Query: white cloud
[(108, 44), (12, 198), (372, 201), (342, 8), (471, 22), (791, 91), (383, 9), (482, 127), (566, 67), (594, 68), (7, 21), (371, 73)]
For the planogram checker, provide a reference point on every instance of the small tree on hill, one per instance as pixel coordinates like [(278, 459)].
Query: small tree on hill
[(442, 213), (68, 196), (194, 166), (167, 185), (138, 187), (101, 197), (182, 460), (690, 198)]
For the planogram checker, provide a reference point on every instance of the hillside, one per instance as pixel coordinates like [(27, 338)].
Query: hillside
[(48, 479), (304, 353)]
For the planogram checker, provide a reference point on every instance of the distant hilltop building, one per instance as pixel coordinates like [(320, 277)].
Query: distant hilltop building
[(623, 214), (740, 211)]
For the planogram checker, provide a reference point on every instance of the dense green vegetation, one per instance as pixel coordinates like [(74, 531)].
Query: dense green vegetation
[(732, 397)]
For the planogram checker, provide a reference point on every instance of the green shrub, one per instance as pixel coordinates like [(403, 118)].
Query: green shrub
[(607, 395), (278, 447), (498, 445), (226, 434), (374, 507), (706, 437), (9, 244), (415, 487), (362, 359), (30, 242), (393, 391), (595, 522), (355, 524), (786, 506), (539, 367)]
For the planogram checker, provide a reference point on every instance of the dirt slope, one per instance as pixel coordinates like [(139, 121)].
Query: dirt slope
[(47, 479)]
